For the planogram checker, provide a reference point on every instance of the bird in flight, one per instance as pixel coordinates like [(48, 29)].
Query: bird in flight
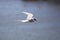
[(29, 18)]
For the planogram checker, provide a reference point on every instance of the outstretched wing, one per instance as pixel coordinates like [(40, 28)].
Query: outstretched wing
[(22, 20), (29, 15)]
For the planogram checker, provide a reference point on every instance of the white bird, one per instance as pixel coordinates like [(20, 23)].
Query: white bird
[(29, 18)]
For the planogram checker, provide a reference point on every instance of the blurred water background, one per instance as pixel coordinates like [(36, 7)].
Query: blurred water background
[(47, 14)]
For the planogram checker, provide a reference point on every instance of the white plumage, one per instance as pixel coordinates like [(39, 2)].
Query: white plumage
[(29, 17)]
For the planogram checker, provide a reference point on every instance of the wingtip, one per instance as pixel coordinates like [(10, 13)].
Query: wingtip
[(18, 20), (24, 12)]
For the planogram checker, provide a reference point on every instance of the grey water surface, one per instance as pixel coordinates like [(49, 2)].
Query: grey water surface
[(47, 14)]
